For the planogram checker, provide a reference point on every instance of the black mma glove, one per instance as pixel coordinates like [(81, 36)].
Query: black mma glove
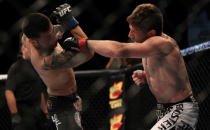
[(64, 17), (16, 119), (72, 43), (58, 30)]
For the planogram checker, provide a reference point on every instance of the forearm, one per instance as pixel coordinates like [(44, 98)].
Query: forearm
[(66, 59), (11, 101), (78, 33), (106, 48), (80, 58)]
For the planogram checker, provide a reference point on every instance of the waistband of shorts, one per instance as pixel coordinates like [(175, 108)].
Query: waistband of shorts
[(165, 105), (72, 97)]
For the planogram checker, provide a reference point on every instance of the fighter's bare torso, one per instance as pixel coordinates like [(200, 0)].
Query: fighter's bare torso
[(54, 64), (59, 81), (167, 76)]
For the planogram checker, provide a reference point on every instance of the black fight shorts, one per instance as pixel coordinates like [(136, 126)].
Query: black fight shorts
[(65, 111)]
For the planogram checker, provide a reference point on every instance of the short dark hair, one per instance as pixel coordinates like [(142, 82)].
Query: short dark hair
[(34, 24), (147, 17)]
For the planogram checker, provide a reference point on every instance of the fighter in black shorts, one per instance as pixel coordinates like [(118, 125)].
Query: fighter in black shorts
[(54, 63), (65, 111)]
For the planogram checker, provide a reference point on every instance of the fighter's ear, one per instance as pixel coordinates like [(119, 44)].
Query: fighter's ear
[(151, 33), (33, 42)]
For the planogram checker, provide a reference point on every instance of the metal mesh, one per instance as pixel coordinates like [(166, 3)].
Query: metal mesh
[(140, 103), (198, 66), (106, 20)]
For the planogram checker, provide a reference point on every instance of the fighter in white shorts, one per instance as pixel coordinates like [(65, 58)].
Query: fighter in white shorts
[(177, 116), (163, 64)]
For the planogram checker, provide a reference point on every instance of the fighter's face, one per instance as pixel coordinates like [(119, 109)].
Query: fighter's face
[(47, 40), (136, 35)]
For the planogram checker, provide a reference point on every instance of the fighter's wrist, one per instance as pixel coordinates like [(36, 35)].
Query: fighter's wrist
[(72, 24), (83, 44), (144, 75)]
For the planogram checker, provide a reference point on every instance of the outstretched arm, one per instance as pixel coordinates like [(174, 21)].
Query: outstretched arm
[(153, 46), (78, 33), (150, 47)]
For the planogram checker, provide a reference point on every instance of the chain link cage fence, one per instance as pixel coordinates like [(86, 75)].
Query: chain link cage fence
[(136, 104), (133, 108)]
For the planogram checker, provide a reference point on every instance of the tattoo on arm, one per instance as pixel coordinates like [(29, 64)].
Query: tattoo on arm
[(58, 60)]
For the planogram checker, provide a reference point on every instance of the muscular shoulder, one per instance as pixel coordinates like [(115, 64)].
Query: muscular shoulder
[(164, 44)]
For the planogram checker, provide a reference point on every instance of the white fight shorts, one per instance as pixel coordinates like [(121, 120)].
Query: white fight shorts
[(178, 116)]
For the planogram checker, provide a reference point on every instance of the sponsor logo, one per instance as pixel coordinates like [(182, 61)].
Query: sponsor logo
[(116, 90), (77, 118), (116, 122), (184, 126), (116, 103), (55, 120), (172, 119), (49, 104), (78, 104), (64, 11)]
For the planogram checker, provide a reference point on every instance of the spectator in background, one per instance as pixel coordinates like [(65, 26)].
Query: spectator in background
[(25, 95)]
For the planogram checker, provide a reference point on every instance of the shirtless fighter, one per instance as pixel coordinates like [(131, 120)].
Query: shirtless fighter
[(54, 64), (165, 69)]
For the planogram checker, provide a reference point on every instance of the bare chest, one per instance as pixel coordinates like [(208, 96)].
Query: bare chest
[(153, 68), (54, 78), (151, 64)]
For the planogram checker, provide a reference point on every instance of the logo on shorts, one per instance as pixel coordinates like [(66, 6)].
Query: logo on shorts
[(174, 116), (78, 104), (49, 104), (184, 126), (77, 118), (55, 120)]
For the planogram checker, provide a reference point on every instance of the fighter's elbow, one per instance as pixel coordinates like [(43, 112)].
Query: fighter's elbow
[(90, 54), (114, 54), (118, 53)]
